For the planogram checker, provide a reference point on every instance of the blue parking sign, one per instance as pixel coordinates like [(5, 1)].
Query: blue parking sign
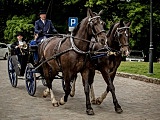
[(72, 21)]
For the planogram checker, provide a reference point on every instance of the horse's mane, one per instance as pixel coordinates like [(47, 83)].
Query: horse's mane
[(110, 30), (112, 26), (75, 30)]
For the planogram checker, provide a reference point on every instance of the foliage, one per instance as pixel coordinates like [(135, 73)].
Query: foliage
[(91, 3), (135, 11), (141, 68), (69, 2), (27, 1), (18, 24)]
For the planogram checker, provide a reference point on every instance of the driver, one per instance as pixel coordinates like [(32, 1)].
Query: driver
[(43, 27)]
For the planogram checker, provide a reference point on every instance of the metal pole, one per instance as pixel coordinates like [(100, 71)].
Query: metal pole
[(151, 43)]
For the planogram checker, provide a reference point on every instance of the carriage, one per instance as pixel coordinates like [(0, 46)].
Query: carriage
[(25, 69), (76, 51)]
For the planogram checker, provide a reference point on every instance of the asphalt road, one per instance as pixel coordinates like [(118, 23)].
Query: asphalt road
[(139, 101)]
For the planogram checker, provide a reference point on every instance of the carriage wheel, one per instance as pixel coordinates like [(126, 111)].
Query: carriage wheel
[(30, 78), (12, 73)]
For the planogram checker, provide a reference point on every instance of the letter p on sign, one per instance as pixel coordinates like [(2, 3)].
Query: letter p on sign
[(72, 22)]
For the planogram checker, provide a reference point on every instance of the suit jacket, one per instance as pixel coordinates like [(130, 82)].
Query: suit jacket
[(16, 44), (43, 29), (16, 50)]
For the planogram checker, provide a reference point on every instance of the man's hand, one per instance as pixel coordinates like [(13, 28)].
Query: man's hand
[(18, 46)]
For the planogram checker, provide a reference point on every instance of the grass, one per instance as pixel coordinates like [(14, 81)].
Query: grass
[(141, 68)]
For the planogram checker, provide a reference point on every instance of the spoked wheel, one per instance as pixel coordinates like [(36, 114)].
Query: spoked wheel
[(30, 78), (12, 73)]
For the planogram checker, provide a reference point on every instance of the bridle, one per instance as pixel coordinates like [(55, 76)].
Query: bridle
[(118, 34), (91, 24)]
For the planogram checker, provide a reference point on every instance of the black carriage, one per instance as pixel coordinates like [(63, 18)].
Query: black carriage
[(24, 68), (19, 67), (16, 65)]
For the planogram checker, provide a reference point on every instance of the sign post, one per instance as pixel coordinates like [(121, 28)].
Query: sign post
[(151, 42), (72, 23)]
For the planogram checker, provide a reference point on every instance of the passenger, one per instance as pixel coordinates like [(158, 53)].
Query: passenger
[(18, 45), (44, 27), (20, 49)]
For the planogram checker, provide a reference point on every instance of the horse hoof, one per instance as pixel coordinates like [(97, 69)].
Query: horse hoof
[(90, 112), (98, 102), (44, 96), (93, 102), (61, 102), (72, 95), (118, 110), (55, 104)]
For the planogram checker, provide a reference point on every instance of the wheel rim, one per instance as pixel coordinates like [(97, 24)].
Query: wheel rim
[(30, 80), (12, 74)]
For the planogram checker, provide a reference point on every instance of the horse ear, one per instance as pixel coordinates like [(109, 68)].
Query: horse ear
[(121, 23), (128, 24), (89, 12), (101, 12), (95, 13)]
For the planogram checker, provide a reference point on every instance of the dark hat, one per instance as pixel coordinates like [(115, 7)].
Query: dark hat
[(19, 34), (42, 12)]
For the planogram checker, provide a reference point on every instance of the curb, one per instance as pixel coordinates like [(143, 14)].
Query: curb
[(138, 77)]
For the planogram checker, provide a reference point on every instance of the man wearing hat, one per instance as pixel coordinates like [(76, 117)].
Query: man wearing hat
[(44, 27), (18, 44)]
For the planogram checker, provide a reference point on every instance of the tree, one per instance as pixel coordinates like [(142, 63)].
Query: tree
[(19, 24), (136, 11)]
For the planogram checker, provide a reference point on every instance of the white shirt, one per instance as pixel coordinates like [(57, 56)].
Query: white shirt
[(20, 43), (43, 21)]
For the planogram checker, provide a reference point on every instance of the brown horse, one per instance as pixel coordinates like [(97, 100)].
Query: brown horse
[(117, 38), (69, 56)]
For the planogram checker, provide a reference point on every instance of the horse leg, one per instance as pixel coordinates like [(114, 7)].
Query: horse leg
[(100, 99), (46, 92), (87, 82), (111, 88), (73, 87), (49, 78), (92, 95), (67, 78)]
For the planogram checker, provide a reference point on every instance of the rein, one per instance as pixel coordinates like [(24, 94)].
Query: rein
[(73, 46), (64, 35), (105, 51)]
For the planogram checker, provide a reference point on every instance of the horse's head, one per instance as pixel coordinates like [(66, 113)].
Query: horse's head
[(120, 34), (96, 27)]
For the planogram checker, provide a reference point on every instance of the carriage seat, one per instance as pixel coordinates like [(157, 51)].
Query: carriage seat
[(33, 48)]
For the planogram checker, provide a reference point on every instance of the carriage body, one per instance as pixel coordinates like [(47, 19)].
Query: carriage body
[(19, 66)]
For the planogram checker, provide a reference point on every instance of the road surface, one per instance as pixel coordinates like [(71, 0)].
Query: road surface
[(139, 101)]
